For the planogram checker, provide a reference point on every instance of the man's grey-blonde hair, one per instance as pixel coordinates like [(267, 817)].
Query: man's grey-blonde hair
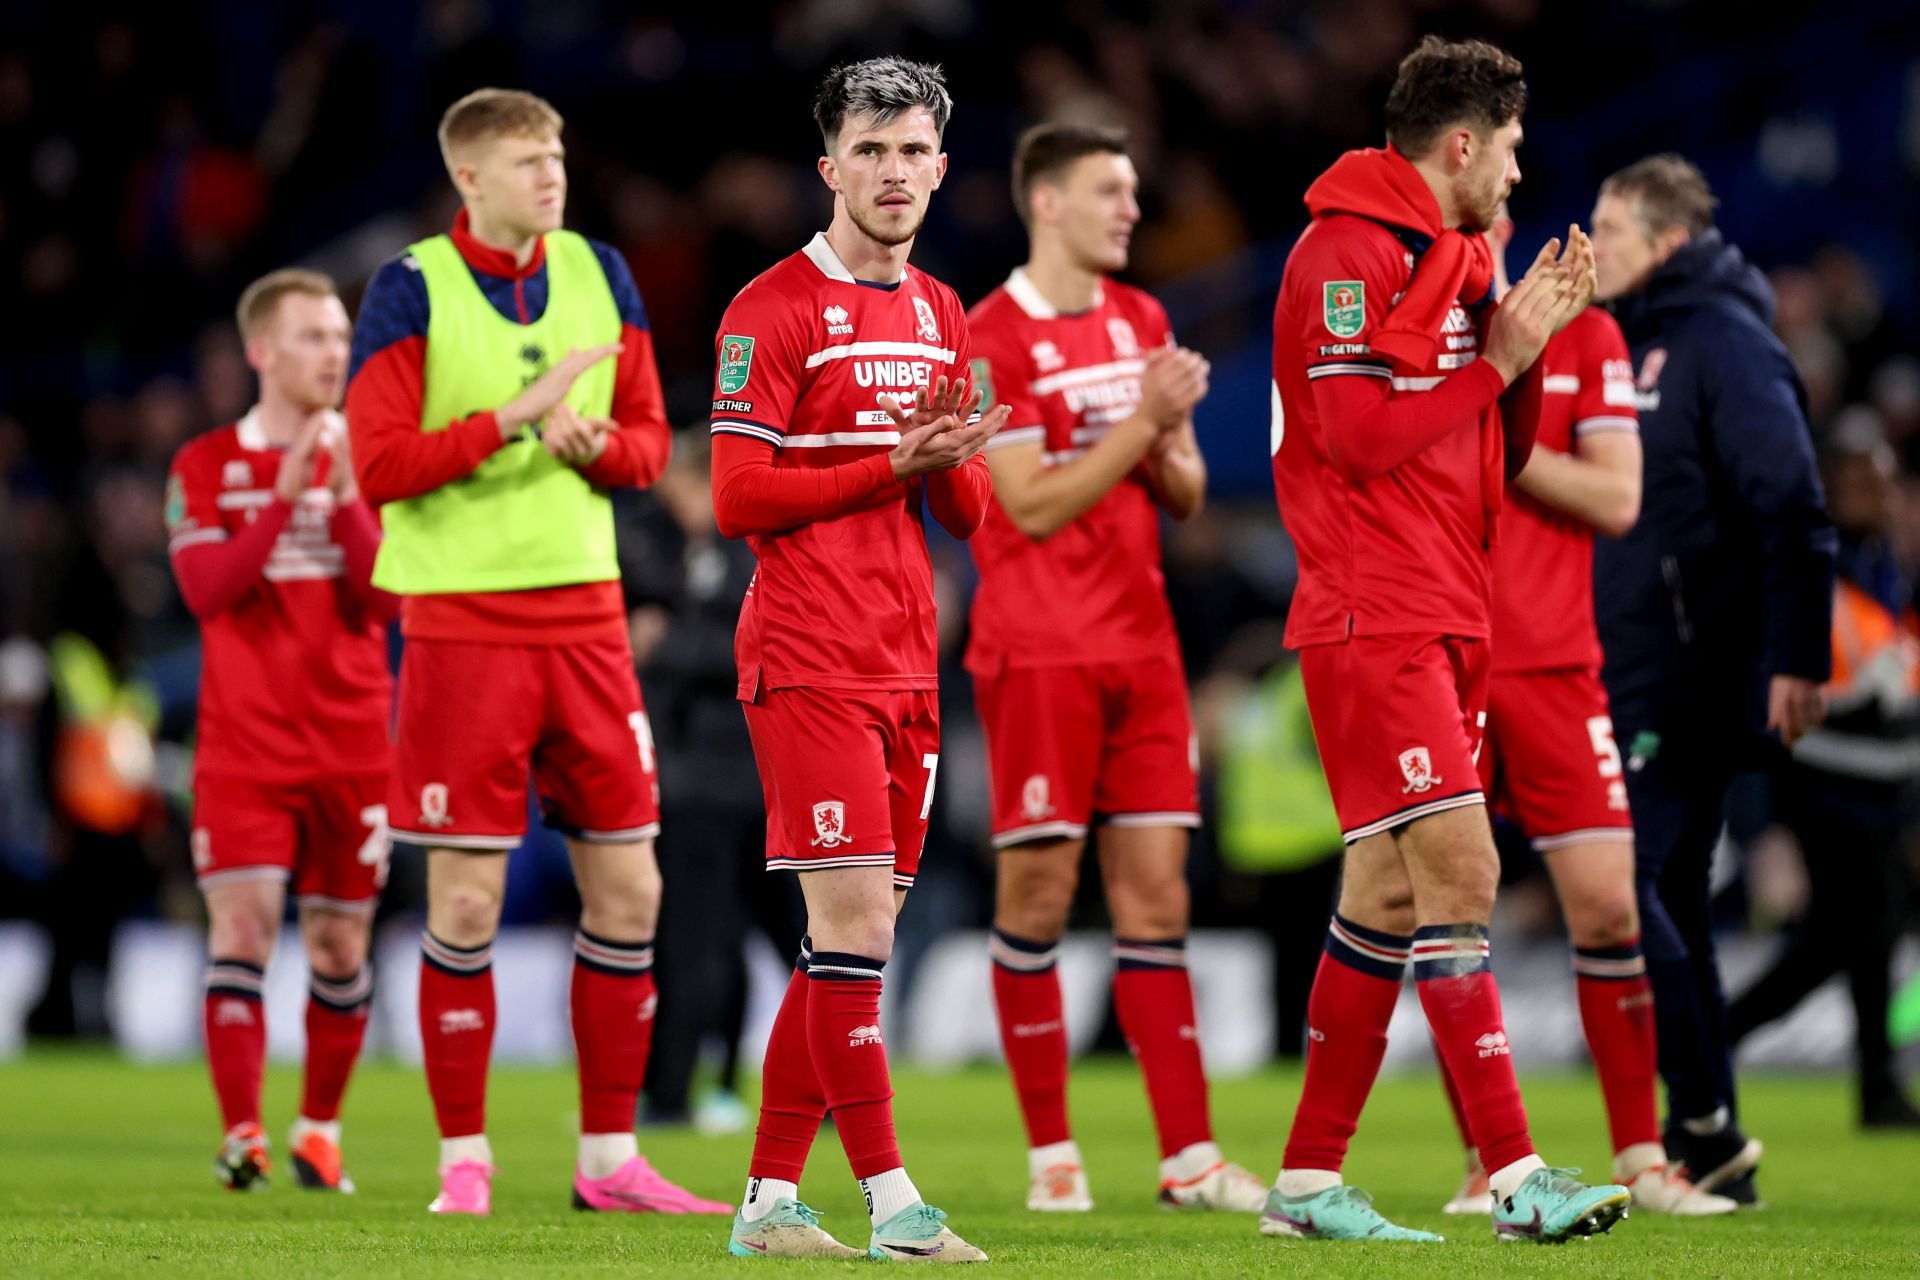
[(880, 88)]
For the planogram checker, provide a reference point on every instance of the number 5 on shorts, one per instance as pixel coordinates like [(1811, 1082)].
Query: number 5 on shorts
[(1600, 731)]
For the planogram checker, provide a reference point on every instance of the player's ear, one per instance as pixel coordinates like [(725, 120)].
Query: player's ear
[(939, 170), (828, 174)]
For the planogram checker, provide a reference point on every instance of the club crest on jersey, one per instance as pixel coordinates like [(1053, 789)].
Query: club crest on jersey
[(736, 362), (236, 474), (1417, 767), (928, 329), (1036, 798), (836, 318), (1047, 357), (830, 825), (1126, 345), (1346, 306), (982, 371)]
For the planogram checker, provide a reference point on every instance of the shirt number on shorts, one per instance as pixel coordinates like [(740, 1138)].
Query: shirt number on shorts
[(1600, 730), (373, 852), (931, 763), (642, 734)]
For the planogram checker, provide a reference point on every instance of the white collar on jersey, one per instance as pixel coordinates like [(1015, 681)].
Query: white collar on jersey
[(821, 254), (1026, 294), (253, 436)]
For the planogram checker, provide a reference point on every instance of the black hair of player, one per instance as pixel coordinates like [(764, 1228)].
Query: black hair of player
[(1048, 150), (1447, 83), (880, 88)]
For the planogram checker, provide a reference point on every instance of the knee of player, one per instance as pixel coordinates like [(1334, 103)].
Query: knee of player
[(1605, 922), (337, 945), (1159, 910), (467, 915), (242, 935), (870, 934)]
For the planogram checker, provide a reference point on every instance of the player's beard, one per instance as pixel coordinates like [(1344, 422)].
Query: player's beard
[(881, 236)]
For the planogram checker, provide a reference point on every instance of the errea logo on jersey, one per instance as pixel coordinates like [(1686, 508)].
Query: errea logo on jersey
[(1047, 357), (836, 318), (236, 474)]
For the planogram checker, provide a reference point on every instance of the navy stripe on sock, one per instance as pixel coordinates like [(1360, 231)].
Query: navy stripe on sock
[(604, 955), (343, 995), (842, 966), (1021, 955), (1160, 953), (460, 962), (235, 978), (1450, 951), (1610, 964), (1371, 951)]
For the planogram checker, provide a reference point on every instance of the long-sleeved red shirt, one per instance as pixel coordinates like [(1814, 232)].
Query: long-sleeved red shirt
[(395, 459)]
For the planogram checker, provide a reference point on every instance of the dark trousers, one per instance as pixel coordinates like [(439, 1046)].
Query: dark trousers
[(1678, 794), (1849, 831), (715, 884)]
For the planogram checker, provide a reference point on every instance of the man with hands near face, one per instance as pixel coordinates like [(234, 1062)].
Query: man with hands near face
[(503, 382)]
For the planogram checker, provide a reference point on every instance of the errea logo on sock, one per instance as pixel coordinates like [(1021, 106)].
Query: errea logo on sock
[(233, 1013), (454, 1021), (869, 1034), (1493, 1044)]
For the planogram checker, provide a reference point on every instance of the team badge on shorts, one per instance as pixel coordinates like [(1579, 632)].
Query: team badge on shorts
[(1346, 306), (1417, 767), (830, 825), (1036, 798), (736, 362)]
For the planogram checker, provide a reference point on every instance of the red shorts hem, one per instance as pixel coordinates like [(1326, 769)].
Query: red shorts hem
[(1411, 813)]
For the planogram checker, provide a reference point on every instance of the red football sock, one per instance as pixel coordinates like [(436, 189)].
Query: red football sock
[(235, 1020), (843, 1032), (613, 1004), (1616, 1008), (1033, 1032), (1153, 998), (456, 1029), (791, 1102), (1458, 1107), (336, 1028), (1455, 980), (1351, 1004)]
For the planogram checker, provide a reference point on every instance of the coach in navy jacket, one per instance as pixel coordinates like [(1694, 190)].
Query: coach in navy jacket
[(1714, 611)]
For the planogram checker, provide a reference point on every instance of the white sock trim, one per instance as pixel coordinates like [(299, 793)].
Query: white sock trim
[(888, 1193), (1507, 1179), (302, 1126), (1296, 1184), (1041, 1159), (1630, 1162), (472, 1147), (1190, 1162), (764, 1193), (602, 1154)]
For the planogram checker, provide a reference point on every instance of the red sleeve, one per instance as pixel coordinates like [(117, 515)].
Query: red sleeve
[(1520, 417), (214, 575), (751, 495), (958, 498), (358, 533), (392, 457), (637, 452), (758, 359), (1605, 401), (1371, 429), (1002, 367)]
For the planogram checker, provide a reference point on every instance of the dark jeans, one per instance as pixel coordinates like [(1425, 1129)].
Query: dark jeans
[(1849, 830)]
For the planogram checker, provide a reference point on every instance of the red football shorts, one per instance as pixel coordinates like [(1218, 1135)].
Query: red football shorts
[(1550, 762), (848, 776), (1067, 747), (326, 836), (1398, 720), (474, 718)]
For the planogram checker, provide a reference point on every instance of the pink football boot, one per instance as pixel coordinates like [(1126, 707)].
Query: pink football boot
[(466, 1186), (636, 1188)]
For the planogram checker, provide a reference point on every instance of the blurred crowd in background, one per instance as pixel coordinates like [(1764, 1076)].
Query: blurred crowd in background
[(157, 160)]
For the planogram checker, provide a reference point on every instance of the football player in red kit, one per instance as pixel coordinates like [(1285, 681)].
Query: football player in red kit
[(273, 549), (841, 412), (1549, 759), (1076, 667), (1401, 392)]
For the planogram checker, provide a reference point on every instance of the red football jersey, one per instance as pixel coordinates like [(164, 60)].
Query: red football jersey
[(804, 355), (1543, 562), (1406, 551), (293, 677), (1093, 591)]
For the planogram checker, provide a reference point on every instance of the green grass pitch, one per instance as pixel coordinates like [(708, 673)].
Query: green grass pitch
[(105, 1169)]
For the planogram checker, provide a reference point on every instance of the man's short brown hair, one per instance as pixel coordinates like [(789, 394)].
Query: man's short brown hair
[(496, 113), (1445, 83), (262, 297), (1665, 190), (1048, 150)]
